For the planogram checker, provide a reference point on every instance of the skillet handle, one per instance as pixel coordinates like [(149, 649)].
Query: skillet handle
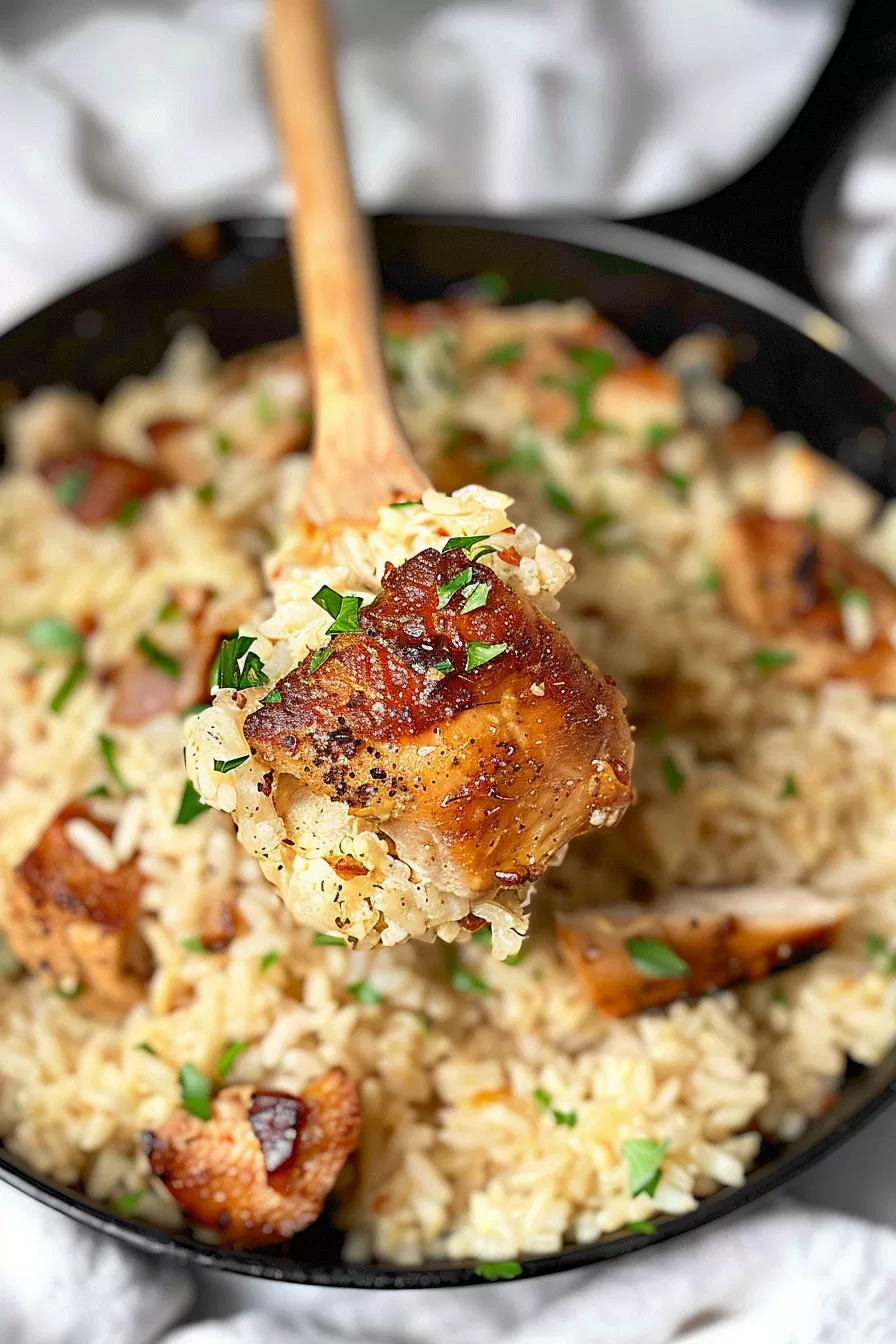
[(758, 221)]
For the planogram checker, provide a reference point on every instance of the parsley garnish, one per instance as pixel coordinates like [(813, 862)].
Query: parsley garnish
[(147, 1049), (169, 611), (594, 365), (569, 1118), (498, 1269), (644, 1158), (479, 654), (319, 657), (225, 767), (711, 581), (769, 660), (879, 949), (264, 406), (781, 998), (108, 747), (327, 940), (492, 285), (230, 1056), (226, 672), (465, 982), (75, 675), (503, 354), (128, 513), (789, 788), (194, 944), (70, 487), (273, 698), (195, 1091), (642, 1229), (328, 599), (223, 443), (52, 632), (206, 493), (656, 435), (158, 657), (344, 610), (672, 775), (127, 1204), (655, 959), (403, 503), (483, 935), (191, 805), (447, 590), (523, 456), (594, 526), (557, 497), (543, 1102), (364, 992), (98, 791), (680, 483), (476, 598), (443, 665), (463, 543), (268, 960)]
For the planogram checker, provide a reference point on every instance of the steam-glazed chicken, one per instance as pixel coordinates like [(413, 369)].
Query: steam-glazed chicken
[(461, 720)]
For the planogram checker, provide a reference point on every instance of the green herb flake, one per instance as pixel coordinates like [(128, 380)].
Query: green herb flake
[(195, 1092), (230, 1056), (447, 590), (780, 998), (463, 543), (465, 982), (403, 503), (327, 940), (328, 600), (273, 698), (194, 944), (679, 482), (494, 1270), (476, 598), (268, 960), (225, 767), (168, 612), (880, 950), (483, 936), (98, 791), (593, 527), (70, 487), (72, 680), (711, 581), (644, 1159), (127, 1204), (491, 285), (319, 657), (226, 673), (769, 660), (264, 406), (346, 622), (789, 788), (672, 775), (52, 632), (129, 513), (856, 596), (655, 959), (147, 1049), (363, 992), (252, 672), (109, 748), (191, 805), (568, 1118), (813, 519), (516, 957), (656, 435), (222, 442), (642, 1229), (206, 493), (542, 1099), (500, 355), (479, 654), (169, 666), (594, 365), (443, 665), (557, 497)]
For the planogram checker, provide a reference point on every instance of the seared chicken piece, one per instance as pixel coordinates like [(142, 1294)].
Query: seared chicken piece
[(810, 595), (478, 740), (261, 1168), (743, 933), (73, 923), (99, 487)]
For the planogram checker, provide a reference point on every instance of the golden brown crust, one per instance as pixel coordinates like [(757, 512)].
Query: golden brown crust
[(479, 776), (110, 483), (73, 924), (243, 1172), (723, 936), (784, 580)]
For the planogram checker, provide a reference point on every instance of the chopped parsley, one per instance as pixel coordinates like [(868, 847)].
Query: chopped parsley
[(169, 611), (656, 435), (328, 600), (264, 406), (70, 487), (223, 443), (780, 998), (98, 791), (672, 774), (503, 354), (680, 482), (479, 654), (128, 513), (319, 657), (226, 671), (206, 493), (52, 632), (158, 657), (191, 805), (880, 950), (483, 935), (557, 497), (447, 590), (493, 1270), (194, 944), (147, 1049), (655, 959), (543, 1102), (195, 1092), (362, 991), (476, 598), (403, 503), (463, 543), (769, 660), (127, 1204), (569, 1118), (593, 527), (644, 1159), (443, 665), (711, 581), (789, 788), (344, 610), (492, 285), (268, 960), (516, 957), (273, 698), (525, 455), (594, 365), (465, 982), (327, 940), (230, 1056), (109, 748), (642, 1229), (75, 675), (225, 767)]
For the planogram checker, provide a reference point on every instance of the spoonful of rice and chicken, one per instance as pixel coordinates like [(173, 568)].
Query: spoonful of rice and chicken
[(406, 739)]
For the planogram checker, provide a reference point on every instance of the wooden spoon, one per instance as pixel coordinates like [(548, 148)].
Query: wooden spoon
[(360, 458)]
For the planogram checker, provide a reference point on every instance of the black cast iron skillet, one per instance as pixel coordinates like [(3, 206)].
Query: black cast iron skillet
[(802, 368)]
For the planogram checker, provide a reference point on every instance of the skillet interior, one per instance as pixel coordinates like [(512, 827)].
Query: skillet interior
[(654, 290)]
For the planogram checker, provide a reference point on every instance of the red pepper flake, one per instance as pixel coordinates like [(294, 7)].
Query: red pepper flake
[(510, 557)]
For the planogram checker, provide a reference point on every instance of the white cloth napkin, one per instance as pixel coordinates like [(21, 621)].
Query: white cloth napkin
[(781, 1276), (120, 119)]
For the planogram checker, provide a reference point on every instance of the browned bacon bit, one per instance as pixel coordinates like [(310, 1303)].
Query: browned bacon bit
[(261, 1168), (717, 938), (73, 924), (788, 582), (478, 778), (105, 485)]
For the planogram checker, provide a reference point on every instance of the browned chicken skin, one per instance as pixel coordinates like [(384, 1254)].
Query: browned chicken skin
[(261, 1168), (73, 924), (727, 936), (785, 581), (104, 484), (478, 776)]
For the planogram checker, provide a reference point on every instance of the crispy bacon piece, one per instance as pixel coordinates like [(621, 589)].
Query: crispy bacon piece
[(108, 483), (478, 776), (743, 933), (73, 924), (787, 582), (261, 1168)]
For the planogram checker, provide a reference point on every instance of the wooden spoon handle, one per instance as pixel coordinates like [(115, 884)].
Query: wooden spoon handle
[(361, 457)]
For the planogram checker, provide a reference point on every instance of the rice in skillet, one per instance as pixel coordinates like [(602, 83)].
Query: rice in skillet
[(499, 1109)]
